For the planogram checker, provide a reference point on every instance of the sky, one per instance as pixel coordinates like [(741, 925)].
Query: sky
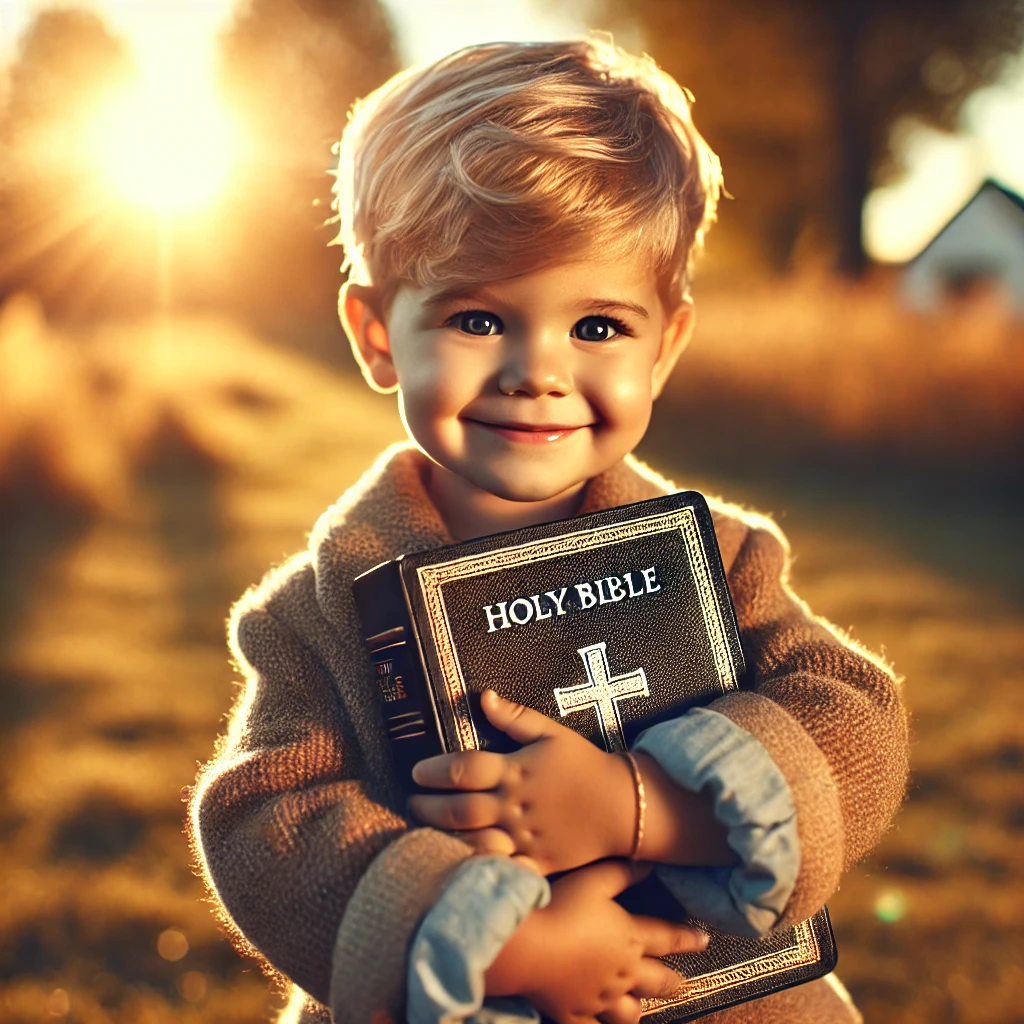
[(943, 170)]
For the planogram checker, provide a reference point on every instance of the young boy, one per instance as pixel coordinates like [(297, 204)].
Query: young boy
[(520, 222)]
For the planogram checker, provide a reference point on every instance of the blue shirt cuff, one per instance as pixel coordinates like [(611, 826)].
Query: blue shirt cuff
[(485, 901), (752, 800)]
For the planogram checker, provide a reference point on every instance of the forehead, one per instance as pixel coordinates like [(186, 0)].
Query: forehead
[(569, 284)]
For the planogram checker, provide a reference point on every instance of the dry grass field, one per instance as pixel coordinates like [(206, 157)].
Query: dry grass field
[(149, 473), (813, 366)]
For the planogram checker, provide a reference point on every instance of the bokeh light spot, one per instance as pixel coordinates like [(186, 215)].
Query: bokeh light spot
[(960, 987), (172, 944), (192, 986), (58, 1003), (890, 906)]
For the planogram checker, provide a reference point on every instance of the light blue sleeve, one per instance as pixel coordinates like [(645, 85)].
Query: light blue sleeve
[(485, 901), (703, 749)]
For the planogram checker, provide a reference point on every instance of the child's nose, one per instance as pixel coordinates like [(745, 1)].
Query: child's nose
[(536, 367)]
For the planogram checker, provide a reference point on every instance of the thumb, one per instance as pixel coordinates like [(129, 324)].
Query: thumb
[(518, 722), (616, 876)]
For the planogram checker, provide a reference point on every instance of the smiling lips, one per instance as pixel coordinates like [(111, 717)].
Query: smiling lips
[(528, 433)]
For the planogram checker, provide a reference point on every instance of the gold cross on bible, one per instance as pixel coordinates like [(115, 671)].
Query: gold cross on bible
[(602, 691)]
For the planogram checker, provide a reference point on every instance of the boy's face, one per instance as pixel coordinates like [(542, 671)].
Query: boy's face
[(526, 388)]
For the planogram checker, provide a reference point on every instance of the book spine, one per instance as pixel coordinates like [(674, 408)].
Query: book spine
[(406, 707)]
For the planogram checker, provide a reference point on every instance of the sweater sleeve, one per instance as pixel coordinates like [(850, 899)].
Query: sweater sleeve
[(828, 714), (704, 750), (461, 936), (325, 882)]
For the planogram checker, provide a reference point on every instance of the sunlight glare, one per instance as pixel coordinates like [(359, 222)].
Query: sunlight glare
[(943, 173), (163, 150), (167, 143), (427, 31)]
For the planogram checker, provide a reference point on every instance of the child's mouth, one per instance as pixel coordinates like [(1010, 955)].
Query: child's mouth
[(528, 433)]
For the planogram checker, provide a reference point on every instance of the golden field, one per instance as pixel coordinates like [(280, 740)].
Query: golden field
[(150, 471)]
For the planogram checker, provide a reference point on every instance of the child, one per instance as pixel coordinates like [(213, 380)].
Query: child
[(520, 222)]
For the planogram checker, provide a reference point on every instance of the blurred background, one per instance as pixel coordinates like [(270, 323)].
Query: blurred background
[(177, 404)]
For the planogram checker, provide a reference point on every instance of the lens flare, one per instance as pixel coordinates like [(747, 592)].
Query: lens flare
[(163, 148)]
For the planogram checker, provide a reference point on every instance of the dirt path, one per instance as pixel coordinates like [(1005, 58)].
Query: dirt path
[(115, 683)]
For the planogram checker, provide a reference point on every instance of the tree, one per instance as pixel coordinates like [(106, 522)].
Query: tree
[(291, 70), (800, 97), (67, 63)]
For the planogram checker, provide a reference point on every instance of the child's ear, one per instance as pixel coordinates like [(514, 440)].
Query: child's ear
[(674, 339), (359, 307)]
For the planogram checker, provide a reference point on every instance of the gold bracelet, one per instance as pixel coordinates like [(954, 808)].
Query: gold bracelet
[(641, 803)]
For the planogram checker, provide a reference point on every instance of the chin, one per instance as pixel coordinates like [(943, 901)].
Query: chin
[(526, 489)]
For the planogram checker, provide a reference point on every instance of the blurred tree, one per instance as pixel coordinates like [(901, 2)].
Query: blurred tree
[(291, 70), (294, 67), (67, 63), (800, 98), (67, 60)]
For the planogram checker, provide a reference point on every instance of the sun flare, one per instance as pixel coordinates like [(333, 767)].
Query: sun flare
[(165, 148)]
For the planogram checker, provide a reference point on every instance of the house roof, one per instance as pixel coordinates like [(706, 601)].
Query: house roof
[(988, 185)]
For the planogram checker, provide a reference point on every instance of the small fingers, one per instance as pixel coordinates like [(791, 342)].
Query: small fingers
[(521, 723), (662, 938), (456, 811), (489, 841), (655, 980), (623, 1010), (617, 875), (468, 770), (529, 862)]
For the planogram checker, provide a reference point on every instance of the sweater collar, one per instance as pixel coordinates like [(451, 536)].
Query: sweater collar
[(389, 512)]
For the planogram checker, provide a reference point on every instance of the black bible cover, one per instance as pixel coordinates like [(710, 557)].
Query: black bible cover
[(609, 622)]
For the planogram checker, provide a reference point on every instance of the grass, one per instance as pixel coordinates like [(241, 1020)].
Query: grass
[(150, 472), (809, 366)]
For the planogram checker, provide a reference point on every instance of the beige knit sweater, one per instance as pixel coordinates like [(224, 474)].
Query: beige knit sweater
[(299, 827)]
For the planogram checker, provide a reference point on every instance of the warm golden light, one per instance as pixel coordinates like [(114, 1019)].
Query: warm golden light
[(164, 148)]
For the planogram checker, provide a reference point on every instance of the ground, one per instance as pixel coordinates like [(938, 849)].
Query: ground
[(195, 472)]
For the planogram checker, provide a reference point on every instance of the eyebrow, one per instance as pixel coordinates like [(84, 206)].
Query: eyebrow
[(443, 298), (449, 295), (609, 305)]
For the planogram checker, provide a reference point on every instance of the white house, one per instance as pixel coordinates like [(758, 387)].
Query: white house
[(982, 244)]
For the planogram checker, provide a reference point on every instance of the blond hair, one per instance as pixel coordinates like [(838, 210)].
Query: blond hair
[(508, 157)]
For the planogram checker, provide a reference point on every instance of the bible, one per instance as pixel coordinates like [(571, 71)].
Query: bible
[(608, 622)]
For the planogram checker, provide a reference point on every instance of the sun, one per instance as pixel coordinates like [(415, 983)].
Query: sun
[(165, 145)]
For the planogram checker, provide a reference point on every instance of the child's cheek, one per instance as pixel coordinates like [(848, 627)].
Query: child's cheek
[(623, 399), (435, 387), (424, 379)]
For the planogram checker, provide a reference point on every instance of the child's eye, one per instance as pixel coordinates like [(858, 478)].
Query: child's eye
[(477, 322), (598, 328)]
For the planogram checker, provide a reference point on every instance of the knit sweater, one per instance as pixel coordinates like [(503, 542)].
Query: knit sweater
[(300, 828)]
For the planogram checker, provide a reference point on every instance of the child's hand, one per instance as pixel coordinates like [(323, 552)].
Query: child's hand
[(559, 801), (584, 956)]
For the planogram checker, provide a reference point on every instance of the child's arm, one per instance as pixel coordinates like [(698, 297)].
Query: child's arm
[(584, 956), (562, 802), (578, 956), (295, 837), (827, 713), (804, 769)]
